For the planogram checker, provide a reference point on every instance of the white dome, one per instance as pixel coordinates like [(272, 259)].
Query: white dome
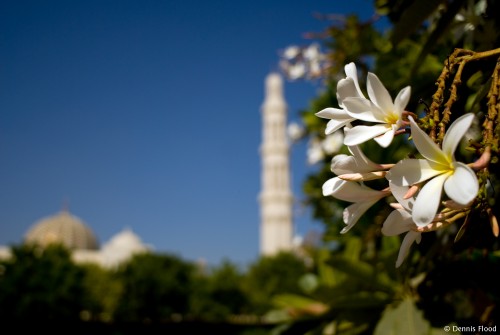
[(62, 228), (121, 247)]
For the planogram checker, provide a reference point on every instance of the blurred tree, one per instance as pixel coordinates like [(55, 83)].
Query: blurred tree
[(271, 275), (41, 285), (219, 294), (156, 287), (104, 288)]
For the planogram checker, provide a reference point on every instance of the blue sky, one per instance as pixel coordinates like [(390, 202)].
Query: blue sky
[(146, 115)]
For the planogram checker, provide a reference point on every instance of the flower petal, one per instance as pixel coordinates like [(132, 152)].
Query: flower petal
[(354, 192), (350, 191), (342, 164), (455, 133), (399, 193), (332, 113), (397, 222), (427, 202), (404, 249), (353, 212), (361, 134), (357, 163), (351, 72), (462, 186), (402, 100), (338, 119), (332, 185), (385, 140), (426, 146), (363, 109), (334, 125), (378, 93), (346, 88), (363, 162), (412, 171)]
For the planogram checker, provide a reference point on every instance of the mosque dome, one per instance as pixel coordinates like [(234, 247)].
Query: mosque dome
[(125, 240), (62, 228), (122, 247)]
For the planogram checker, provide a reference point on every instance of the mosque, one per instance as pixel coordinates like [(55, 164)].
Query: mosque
[(275, 200), (70, 231)]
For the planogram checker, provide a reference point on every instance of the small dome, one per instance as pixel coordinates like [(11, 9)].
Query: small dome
[(125, 240), (62, 228), (121, 248)]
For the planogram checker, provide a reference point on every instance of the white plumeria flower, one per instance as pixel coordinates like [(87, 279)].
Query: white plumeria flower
[(296, 71), (362, 197), (291, 52), (295, 131), (312, 52), (379, 109), (439, 168), (314, 69), (357, 163), (333, 142), (400, 221), (317, 149), (347, 87), (315, 152)]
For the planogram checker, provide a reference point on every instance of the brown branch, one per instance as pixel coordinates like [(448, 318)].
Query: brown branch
[(490, 134), (459, 58)]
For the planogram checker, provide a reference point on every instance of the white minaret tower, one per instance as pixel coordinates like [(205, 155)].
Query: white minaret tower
[(276, 227)]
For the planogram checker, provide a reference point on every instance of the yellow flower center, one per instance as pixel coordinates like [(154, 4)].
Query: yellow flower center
[(392, 118)]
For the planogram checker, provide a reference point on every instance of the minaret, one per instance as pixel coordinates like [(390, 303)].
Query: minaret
[(276, 226)]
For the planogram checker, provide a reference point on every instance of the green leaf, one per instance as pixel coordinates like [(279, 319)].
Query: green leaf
[(406, 319), (353, 248), (351, 329), (327, 275), (277, 316), (364, 273), (295, 301)]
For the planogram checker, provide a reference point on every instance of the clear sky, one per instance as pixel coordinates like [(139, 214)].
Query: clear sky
[(146, 115)]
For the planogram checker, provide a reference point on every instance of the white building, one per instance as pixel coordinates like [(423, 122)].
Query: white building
[(276, 198), (70, 231)]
